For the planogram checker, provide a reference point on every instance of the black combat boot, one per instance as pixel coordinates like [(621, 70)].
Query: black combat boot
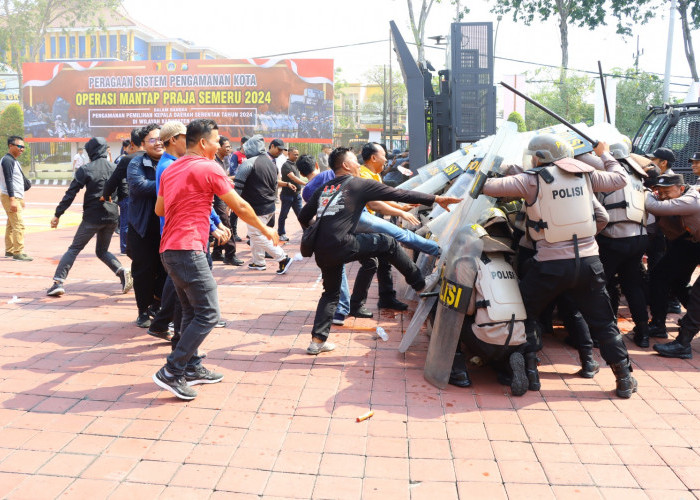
[(657, 329), (626, 384), (589, 366), (518, 381), (459, 375), (641, 335), (679, 348), (533, 376)]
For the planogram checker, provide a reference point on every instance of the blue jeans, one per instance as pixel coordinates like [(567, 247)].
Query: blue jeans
[(288, 201), (196, 288), (344, 300), (123, 223), (83, 235), (372, 224)]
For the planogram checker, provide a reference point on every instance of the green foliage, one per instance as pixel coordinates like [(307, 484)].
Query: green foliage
[(12, 123), (634, 92), (517, 118), (568, 99)]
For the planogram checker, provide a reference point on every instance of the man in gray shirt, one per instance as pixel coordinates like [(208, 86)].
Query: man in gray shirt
[(12, 185)]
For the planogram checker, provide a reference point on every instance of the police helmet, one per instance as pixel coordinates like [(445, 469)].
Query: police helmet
[(619, 150), (548, 148)]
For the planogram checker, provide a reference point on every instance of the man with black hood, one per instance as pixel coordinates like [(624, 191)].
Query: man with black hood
[(99, 217)]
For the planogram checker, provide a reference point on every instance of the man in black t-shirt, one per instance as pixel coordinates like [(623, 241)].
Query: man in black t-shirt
[(290, 198), (336, 243)]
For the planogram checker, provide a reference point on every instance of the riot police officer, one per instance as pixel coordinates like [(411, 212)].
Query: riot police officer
[(558, 193)]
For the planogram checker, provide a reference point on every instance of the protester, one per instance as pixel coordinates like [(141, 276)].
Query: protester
[(13, 185), (184, 199), (290, 198), (99, 217)]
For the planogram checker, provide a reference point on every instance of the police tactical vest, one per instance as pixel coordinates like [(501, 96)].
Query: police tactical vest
[(563, 207), (626, 204), (498, 302)]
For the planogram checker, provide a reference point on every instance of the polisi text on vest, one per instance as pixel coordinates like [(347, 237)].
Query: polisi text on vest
[(567, 193)]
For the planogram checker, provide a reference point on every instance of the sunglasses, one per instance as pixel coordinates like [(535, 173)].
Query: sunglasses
[(17, 146)]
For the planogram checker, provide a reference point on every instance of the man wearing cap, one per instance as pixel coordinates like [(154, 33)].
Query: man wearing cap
[(677, 208), (663, 158), (676, 198), (256, 182), (695, 163), (558, 191)]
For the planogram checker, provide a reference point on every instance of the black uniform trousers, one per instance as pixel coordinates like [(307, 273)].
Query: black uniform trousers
[(623, 257), (369, 245), (146, 268), (363, 280), (228, 248), (584, 283), (672, 274)]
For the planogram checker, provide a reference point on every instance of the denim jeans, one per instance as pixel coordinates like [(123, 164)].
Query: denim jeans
[(288, 201), (372, 224), (368, 246), (123, 223), (83, 235), (196, 288)]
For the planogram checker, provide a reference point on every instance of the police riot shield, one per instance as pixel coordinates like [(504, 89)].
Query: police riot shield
[(417, 321), (468, 211), (456, 284), (432, 169)]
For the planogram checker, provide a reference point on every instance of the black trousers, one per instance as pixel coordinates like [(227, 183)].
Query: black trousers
[(228, 248), (622, 257), (672, 274), (363, 280), (369, 245), (584, 283), (170, 309), (146, 267)]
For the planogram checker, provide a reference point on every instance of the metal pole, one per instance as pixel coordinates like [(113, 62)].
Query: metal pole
[(605, 96), (669, 51), (384, 107), (391, 94)]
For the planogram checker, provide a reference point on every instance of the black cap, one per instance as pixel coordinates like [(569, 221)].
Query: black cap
[(663, 154), (669, 180), (695, 157), (278, 143), (244, 139)]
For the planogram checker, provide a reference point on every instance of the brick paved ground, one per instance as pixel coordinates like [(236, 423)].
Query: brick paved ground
[(80, 416)]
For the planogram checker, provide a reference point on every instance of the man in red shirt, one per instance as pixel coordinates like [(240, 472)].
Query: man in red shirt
[(187, 188)]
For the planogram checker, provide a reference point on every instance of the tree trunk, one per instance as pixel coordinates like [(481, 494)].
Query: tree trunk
[(687, 39), (563, 9), (418, 29)]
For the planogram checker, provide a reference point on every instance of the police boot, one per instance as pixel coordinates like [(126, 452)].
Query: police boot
[(679, 348), (459, 375), (533, 376), (641, 335), (589, 366), (626, 383), (657, 329), (518, 382)]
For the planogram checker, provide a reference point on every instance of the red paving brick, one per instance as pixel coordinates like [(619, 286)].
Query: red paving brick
[(80, 416)]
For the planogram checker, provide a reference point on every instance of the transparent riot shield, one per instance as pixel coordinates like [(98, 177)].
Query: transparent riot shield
[(456, 284), (432, 169)]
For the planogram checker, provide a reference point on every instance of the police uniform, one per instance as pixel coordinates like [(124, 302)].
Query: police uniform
[(679, 263), (624, 240), (559, 198)]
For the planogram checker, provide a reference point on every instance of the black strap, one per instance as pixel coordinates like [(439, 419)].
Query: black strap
[(537, 225), (510, 330), (482, 304), (619, 204), (546, 176), (485, 259), (577, 257)]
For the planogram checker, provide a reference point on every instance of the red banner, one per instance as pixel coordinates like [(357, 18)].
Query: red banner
[(285, 98)]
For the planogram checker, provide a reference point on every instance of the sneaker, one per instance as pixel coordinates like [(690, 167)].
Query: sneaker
[(673, 307), (161, 335), (392, 303), (220, 324), (284, 237), (216, 256), (201, 375), (257, 267), (284, 265), (338, 319), (315, 348), (233, 261), (177, 385), (361, 312), (237, 239), (23, 257), (56, 290), (126, 280), (144, 320), (9, 254)]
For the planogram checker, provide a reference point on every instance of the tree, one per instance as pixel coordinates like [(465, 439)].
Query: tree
[(24, 24), (517, 118), (12, 123), (568, 99), (582, 13), (418, 29), (634, 92), (690, 19)]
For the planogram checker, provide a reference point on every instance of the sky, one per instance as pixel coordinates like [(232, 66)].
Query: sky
[(270, 27)]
